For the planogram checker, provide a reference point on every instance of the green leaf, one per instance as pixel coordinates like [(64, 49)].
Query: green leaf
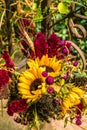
[(65, 122), (80, 74), (39, 16), (63, 8), (34, 6), (13, 55), (85, 13), (67, 1)]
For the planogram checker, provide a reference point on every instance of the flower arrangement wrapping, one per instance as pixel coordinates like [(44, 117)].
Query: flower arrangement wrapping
[(52, 86)]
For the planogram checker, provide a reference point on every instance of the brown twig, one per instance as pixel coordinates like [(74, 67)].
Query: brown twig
[(21, 64), (80, 16), (67, 16), (80, 53), (82, 29), (73, 29)]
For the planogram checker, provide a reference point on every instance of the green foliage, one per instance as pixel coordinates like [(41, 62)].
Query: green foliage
[(66, 121), (39, 16), (81, 74), (60, 13), (67, 1)]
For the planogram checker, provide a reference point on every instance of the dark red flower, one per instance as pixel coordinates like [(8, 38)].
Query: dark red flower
[(25, 22), (17, 120), (64, 50), (53, 46), (45, 73), (53, 43), (50, 90), (17, 106), (4, 78), (78, 122), (58, 100), (79, 108), (75, 63), (58, 47), (24, 44), (41, 46), (68, 44), (8, 60), (28, 25), (49, 80)]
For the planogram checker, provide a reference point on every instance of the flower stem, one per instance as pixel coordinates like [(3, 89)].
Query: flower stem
[(36, 119), (1, 108)]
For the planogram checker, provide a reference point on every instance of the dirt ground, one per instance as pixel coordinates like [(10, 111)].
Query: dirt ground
[(7, 123)]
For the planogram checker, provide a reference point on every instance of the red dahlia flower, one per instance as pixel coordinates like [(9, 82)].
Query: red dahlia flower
[(8, 60), (79, 108), (53, 43), (53, 46), (4, 78), (58, 47), (17, 106), (41, 46)]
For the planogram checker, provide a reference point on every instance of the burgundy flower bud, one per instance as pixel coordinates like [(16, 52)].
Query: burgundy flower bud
[(79, 109), (68, 45), (45, 73), (62, 42), (17, 120), (50, 90), (49, 80), (8, 60), (75, 63), (78, 117), (58, 100), (65, 77), (40, 44), (10, 113), (25, 123), (65, 51), (4, 78), (78, 122)]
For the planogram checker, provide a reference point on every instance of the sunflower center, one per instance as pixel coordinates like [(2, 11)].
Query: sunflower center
[(35, 84), (48, 69)]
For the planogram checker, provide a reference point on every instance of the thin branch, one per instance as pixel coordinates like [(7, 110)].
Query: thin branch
[(21, 64), (67, 16), (80, 16), (2, 18)]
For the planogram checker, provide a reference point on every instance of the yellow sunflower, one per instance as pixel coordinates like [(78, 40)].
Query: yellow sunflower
[(31, 83), (52, 65)]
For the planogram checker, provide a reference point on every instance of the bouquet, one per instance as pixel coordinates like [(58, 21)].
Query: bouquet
[(53, 85)]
